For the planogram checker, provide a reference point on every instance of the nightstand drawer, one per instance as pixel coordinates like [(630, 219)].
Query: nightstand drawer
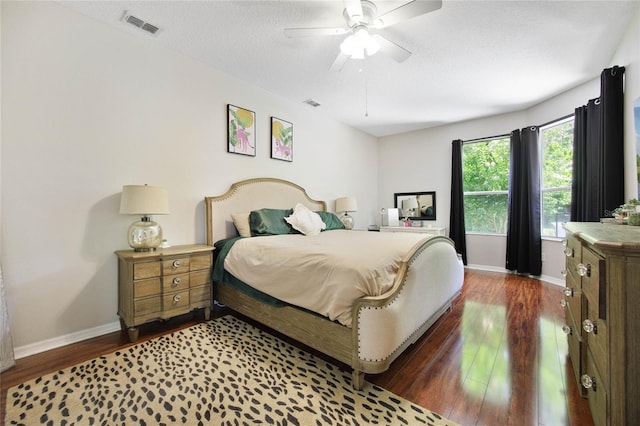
[(175, 266), (146, 270), (147, 306), (175, 282), (148, 287), (201, 261), (200, 294), (175, 300), (597, 393), (199, 278)]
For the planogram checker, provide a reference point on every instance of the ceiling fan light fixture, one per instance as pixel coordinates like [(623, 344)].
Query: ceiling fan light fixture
[(357, 43)]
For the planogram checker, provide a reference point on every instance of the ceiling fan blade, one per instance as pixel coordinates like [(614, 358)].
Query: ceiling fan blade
[(388, 47), (354, 9), (339, 62), (407, 11), (313, 32)]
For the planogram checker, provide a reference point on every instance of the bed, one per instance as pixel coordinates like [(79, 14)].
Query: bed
[(380, 327)]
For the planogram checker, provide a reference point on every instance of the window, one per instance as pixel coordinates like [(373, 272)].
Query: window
[(485, 170), (557, 165)]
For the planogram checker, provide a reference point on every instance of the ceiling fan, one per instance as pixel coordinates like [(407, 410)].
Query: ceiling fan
[(361, 17)]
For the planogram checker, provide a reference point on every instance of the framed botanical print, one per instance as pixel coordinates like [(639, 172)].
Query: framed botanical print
[(241, 134), (281, 139)]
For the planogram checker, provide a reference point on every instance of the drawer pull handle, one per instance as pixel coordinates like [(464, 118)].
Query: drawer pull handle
[(588, 382), (567, 330), (568, 252), (590, 326), (563, 303), (177, 298), (176, 280), (564, 243), (563, 272), (584, 270), (176, 263), (568, 291)]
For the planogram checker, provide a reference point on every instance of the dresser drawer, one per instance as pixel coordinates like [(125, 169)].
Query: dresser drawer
[(146, 270), (597, 393), (593, 283), (199, 278), (148, 287), (573, 251), (175, 266), (597, 340)]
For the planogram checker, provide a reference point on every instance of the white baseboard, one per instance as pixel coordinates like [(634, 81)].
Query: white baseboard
[(545, 278), (56, 342)]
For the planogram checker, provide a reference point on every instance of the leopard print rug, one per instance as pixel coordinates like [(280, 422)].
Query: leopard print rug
[(222, 372)]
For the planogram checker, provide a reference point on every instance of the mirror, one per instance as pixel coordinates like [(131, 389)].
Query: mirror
[(416, 205)]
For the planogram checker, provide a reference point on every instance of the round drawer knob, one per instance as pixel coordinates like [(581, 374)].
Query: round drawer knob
[(568, 292), (583, 269), (176, 280), (568, 252), (563, 303), (564, 243), (588, 382), (176, 263), (563, 272), (566, 329), (177, 298), (589, 326)]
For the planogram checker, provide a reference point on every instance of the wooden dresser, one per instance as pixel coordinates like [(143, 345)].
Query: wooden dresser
[(162, 284), (602, 310)]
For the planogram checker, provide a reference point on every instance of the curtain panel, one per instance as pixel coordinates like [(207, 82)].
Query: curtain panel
[(524, 243), (598, 151), (457, 231)]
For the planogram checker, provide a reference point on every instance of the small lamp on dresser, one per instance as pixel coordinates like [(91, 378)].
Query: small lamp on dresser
[(346, 205), (144, 200)]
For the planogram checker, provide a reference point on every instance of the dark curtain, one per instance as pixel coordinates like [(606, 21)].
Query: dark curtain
[(524, 245), (457, 230), (586, 164), (612, 137), (598, 151)]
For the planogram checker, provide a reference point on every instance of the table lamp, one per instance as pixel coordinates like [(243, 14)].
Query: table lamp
[(145, 200), (346, 205)]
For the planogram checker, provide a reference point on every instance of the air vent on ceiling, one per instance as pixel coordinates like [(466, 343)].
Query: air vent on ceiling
[(312, 103), (144, 26)]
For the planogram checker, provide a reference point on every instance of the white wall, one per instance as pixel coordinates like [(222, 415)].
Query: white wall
[(421, 160), (86, 109)]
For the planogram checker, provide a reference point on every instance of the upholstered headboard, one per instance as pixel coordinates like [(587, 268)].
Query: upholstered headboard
[(248, 195)]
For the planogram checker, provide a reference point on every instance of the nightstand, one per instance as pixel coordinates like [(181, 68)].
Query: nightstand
[(430, 230), (162, 284)]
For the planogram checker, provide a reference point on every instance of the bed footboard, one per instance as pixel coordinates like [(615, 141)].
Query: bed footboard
[(429, 279)]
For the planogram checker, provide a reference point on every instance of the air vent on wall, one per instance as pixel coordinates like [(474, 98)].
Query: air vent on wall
[(312, 103), (144, 26)]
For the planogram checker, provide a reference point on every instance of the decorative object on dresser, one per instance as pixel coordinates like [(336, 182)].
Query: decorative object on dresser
[(425, 208), (145, 200), (346, 205), (163, 284), (431, 230), (602, 295)]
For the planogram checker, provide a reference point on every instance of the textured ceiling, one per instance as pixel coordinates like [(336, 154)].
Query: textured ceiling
[(470, 58)]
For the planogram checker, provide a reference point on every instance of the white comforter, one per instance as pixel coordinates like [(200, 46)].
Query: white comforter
[(325, 273)]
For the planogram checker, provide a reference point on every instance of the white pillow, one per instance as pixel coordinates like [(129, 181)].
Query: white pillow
[(241, 221), (304, 220)]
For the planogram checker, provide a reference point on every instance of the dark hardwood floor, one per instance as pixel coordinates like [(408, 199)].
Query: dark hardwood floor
[(498, 357)]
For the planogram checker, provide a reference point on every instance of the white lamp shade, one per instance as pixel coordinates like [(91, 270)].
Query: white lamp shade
[(346, 204), (144, 200)]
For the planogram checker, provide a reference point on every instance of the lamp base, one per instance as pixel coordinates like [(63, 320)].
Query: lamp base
[(144, 235), (347, 221)]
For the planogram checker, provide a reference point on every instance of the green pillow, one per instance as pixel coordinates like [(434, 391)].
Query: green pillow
[(270, 222), (331, 220)]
